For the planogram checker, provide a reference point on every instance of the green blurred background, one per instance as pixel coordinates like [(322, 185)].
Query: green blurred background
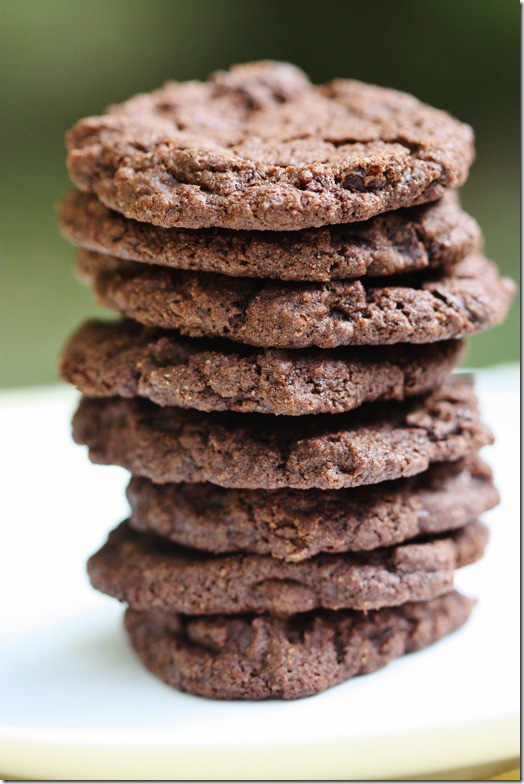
[(65, 59)]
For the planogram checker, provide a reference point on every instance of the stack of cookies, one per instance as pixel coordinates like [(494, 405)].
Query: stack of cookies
[(295, 276)]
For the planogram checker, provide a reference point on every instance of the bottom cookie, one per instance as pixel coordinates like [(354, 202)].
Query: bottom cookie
[(264, 657)]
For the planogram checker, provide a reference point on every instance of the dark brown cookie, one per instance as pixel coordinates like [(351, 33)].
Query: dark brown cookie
[(126, 359), (149, 573), (422, 308), (433, 235), (259, 147), (263, 657), (297, 524), (366, 446)]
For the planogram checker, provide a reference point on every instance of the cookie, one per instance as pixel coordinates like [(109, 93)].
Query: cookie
[(125, 359), (370, 445), (297, 524), (149, 573), (263, 657), (259, 147), (434, 235), (422, 308)]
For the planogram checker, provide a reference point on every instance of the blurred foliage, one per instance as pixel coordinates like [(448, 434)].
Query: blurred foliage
[(63, 60)]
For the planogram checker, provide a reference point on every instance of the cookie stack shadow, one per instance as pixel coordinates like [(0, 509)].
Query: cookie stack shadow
[(295, 276)]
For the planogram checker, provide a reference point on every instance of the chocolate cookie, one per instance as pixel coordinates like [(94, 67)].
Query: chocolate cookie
[(149, 573), (433, 235), (366, 446), (422, 308), (263, 657), (260, 147), (129, 360), (297, 524)]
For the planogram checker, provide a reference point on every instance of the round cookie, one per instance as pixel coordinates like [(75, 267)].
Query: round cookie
[(370, 445), (263, 657), (260, 147), (297, 524), (103, 359), (423, 308), (149, 573), (433, 235)]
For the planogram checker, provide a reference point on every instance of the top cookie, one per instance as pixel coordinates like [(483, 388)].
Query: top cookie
[(260, 147)]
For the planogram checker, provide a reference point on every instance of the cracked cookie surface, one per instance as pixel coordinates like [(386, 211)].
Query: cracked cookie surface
[(421, 308), (375, 443), (260, 147), (296, 524), (263, 657), (148, 573), (438, 234), (125, 359)]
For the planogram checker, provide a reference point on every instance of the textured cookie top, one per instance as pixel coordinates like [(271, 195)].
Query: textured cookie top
[(260, 147), (419, 308), (265, 657), (149, 573), (296, 524), (123, 358), (433, 235), (366, 446)]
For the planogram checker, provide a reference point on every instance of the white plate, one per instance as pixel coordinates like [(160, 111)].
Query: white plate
[(76, 704)]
